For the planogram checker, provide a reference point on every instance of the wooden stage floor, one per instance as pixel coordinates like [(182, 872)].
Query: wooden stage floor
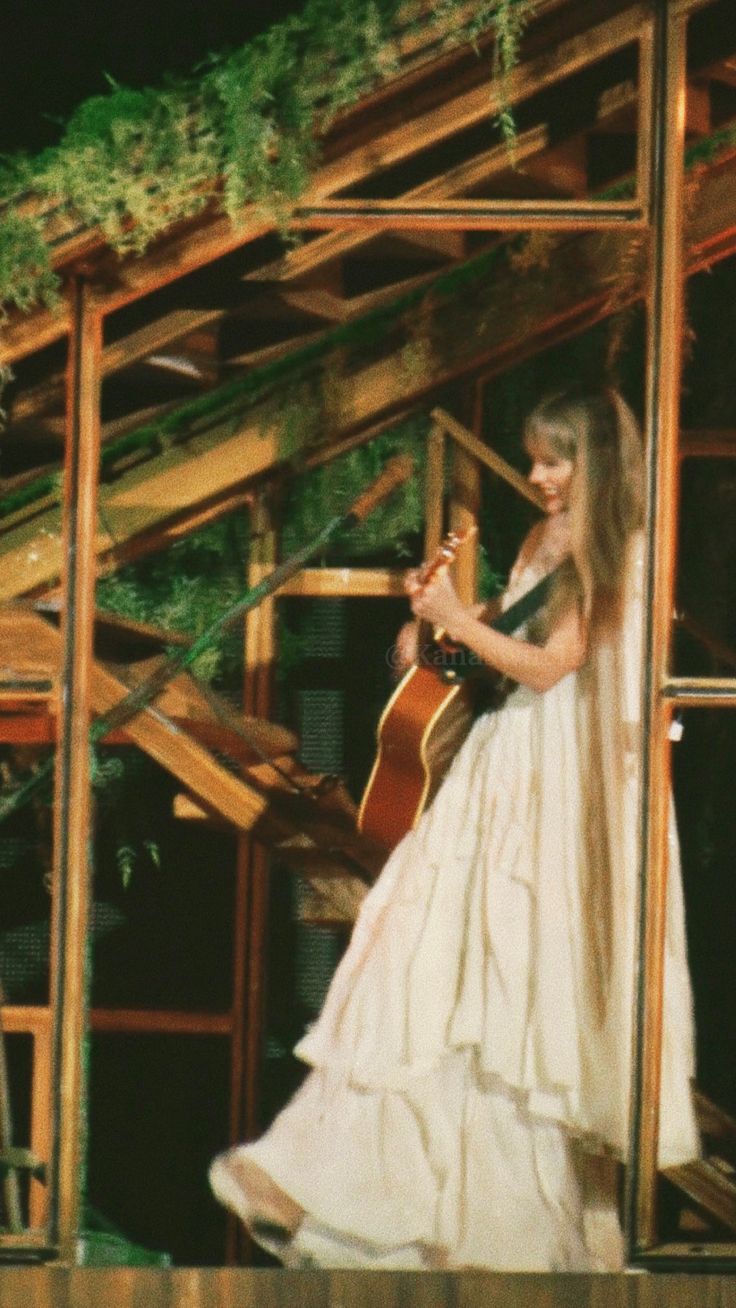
[(57, 1287)]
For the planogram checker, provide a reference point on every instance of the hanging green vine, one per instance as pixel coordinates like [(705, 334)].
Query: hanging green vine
[(245, 131)]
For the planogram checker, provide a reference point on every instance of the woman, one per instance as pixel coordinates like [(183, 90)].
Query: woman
[(471, 1066)]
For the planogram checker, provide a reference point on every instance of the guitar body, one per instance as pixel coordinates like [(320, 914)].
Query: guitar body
[(428, 717), (421, 729)]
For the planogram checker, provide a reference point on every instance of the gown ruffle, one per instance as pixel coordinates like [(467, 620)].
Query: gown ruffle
[(471, 1064)]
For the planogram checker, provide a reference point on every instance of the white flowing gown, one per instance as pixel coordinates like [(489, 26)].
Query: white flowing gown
[(471, 1065)]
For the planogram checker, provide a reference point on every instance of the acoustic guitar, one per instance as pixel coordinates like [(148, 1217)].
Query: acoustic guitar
[(429, 715)]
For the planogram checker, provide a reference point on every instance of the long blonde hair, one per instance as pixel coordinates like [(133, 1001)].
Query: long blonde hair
[(598, 432)]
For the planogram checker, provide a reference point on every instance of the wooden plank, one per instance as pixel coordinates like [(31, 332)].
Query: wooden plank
[(465, 504), (434, 486), (700, 692), (705, 1183), (710, 444), (378, 582), (177, 526), (163, 535), (177, 324), (41, 1139), (487, 456), (192, 245), (303, 259), (235, 802), (187, 760), (579, 289), (260, 661), (149, 493), (71, 831), (209, 1287), (477, 105), (159, 1021), (210, 236), (470, 215), (119, 354), (184, 249)]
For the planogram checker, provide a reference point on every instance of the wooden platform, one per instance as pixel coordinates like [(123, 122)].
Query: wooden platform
[(56, 1287)]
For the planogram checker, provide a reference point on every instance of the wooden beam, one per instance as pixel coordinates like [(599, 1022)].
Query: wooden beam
[(662, 404), (470, 215), (164, 1021), (377, 582), (487, 456), (434, 487), (578, 290), (210, 236), (260, 660), (179, 525), (465, 503), (270, 1287), (149, 493), (477, 105), (303, 259), (119, 354), (183, 757), (192, 245), (71, 870), (703, 1181), (707, 444)]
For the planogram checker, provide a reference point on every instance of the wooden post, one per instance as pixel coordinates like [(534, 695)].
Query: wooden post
[(72, 800), (662, 421), (465, 497), (251, 920), (434, 485)]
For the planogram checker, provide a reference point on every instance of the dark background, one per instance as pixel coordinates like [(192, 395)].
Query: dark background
[(56, 53)]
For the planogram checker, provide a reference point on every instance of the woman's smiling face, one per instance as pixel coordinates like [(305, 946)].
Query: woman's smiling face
[(550, 472)]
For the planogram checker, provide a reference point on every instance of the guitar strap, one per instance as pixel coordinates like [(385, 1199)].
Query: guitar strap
[(529, 604), (455, 663)]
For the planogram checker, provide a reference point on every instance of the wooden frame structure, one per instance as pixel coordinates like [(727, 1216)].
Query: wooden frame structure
[(434, 212)]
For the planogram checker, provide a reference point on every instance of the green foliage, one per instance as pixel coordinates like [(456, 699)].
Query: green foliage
[(133, 162), (511, 19), (127, 858), (297, 389), (130, 162), (490, 581), (185, 588), (188, 586), (104, 771), (314, 497), (26, 276)]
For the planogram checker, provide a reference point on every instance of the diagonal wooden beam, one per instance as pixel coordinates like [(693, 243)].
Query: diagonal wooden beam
[(305, 258), (581, 286), (195, 244)]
